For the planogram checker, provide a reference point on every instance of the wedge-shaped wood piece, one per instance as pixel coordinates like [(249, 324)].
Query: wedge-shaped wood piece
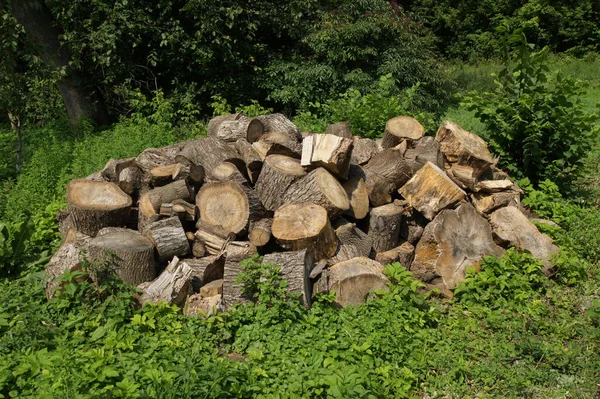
[(205, 270), (463, 176), (341, 129), (251, 158), (364, 149), (493, 186), (423, 150), (329, 151), (486, 203), (359, 197), (378, 187), (464, 148), (391, 164), (130, 180), (161, 175), (354, 279), (211, 289), (305, 226), (67, 258), (169, 238), (94, 205), (153, 157), (278, 173), (404, 254), (113, 168), (384, 226), (352, 242), (511, 227), (172, 286), (401, 128), (295, 268), (454, 240), (321, 188), (430, 190)]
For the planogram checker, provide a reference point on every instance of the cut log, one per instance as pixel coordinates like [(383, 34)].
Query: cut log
[(412, 225), (211, 289), (238, 251), (215, 123), (150, 158), (260, 232), (169, 238), (94, 205), (512, 228), (172, 286), (161, 175), (67, 258), (384, 226), (242, 128), (250, 157), (133, 255), (463, 176), (391, 165), (295, 268), (329, 151), (278, 123), (113, 168), (354, 279), (341, 129), (453, 241), (130, 180), (205, 270), (278, 144), (229, 205), (226, 171), (424, 150), (363, 150), (403, 254), (464, 148), (278, 173), (493, 186), (430, 190), (215, 238), (207, 152), (305, 226), (401, 128), (357, 192), (378, 187), (185, 210), (486, 203), (352, 243), (197, 305), (321, 188), (150, 202)]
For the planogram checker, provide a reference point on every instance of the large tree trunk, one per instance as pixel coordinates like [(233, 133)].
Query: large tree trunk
[(79, 101)]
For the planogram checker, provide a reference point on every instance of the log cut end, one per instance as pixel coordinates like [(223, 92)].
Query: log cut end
[(86, 194)]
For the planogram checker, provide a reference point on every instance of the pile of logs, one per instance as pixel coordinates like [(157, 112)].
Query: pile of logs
[(329, 209)]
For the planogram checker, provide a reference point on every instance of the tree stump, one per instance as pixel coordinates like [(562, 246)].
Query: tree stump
[(304, 226), (357, 192), (401, 128), (295, 267), (278, 173), (169, 238), (94, 205), (354, 279), (329, 151), (384, 226), (260, 232)]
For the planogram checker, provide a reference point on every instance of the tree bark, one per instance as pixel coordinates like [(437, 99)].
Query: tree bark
[(352, 243), (384, 226), (169, 238), (277, 175), (295, 267), (341, 129)]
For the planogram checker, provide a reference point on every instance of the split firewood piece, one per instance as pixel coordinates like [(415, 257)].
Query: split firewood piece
[(197, 305), (391, 165), (133, 255), (205, 270), (185, 210), (465, 148), (486, 203), (229, 205), (321, 188), (512, 228), (454, 240), (237, 251), (260, 232), (463, 176), (354, 279), (295, 268), (250, 157), (352, 242), (384, 226), (211, 289), (171, 209), (423, 150), (278, 123), (113, 168), (169, 238), (226, 171), (150, 158), (130, 180), (278, 173), (329, 151), (207, 152), (94, 205), (493, 186), (412, 225), (172, 286), (67, 258), (358, 196), (214, 237), (151, 201), (401, 128), (404, 254), (215, 123), (305, 226), (430, 190), (279, 144), (165, 174), (378, 187), (341, 129), (242, 128), (363, 150)]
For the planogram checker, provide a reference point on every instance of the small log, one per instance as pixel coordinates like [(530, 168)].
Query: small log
[(486, 203), (295, 268), (321, 188), (354, 279), (214, 237), (329, 151), (242, 128), (251, 158), (391, 165), (260, 232), (226, 171), (169, 238), (363, 150), (384, 226), (150, 158), (94, 205), (150, 202), (378, 187), (424, 150), (114, 167), (403, 254), (278, 123), (493, 186), (237, 251), (185, 210), (213, 125), (454, 240), (304, 226), (229, 205), (401, 128), (465, 148), (172, 286), (205, 270), (161, 175), (463, 176), (341, 129), (352, 243), (278, 173), (134, 255), (357, 192), (207, 152), (430, 190), (130, 180)]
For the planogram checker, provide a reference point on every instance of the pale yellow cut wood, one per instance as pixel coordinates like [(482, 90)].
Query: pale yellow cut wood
[(329, 151), (354, 279), (401, 128)]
